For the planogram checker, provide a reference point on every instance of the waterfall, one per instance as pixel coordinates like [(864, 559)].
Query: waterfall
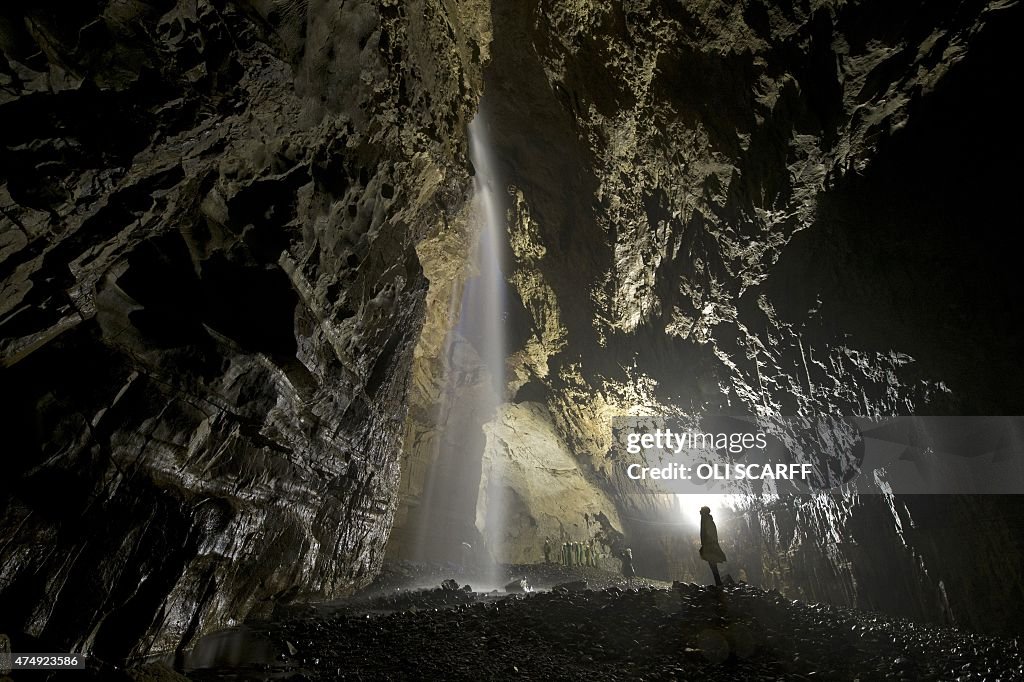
[(482, 320), (460, 518)]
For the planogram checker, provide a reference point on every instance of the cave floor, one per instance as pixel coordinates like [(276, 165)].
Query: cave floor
[(613, 632)]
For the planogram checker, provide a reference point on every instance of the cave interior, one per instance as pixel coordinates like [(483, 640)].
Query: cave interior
[(314, 311)]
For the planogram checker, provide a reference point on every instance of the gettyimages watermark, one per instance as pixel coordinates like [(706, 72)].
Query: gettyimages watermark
[(665, 440), (903, 455)]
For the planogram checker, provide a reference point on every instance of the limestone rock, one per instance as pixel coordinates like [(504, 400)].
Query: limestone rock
[(210, 296), (532, 487)]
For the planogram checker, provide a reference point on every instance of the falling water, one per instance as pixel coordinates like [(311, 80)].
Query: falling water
[(459, 485), (483, 317)]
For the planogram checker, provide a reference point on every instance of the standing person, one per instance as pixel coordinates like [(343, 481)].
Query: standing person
[(547, 550), (628, 572), (709, 549)]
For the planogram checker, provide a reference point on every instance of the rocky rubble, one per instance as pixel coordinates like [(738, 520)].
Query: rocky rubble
[(687, 632)]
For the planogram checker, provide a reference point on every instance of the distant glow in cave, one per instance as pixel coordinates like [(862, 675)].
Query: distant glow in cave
[(690, 504)]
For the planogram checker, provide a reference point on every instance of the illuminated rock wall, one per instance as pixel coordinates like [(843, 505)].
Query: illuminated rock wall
[(233, 233), (213, 217), (764, 208)]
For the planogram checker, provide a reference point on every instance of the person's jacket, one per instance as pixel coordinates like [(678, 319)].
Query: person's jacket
[(709, 549)]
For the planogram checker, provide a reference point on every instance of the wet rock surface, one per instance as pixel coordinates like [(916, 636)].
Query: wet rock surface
[(686, 632), (210, 293), (759, 208), (415, 578)]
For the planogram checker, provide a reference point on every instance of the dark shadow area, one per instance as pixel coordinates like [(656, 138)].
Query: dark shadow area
[(920, 253)]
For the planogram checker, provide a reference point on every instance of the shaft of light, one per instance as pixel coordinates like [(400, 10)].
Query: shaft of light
[(483, 308)]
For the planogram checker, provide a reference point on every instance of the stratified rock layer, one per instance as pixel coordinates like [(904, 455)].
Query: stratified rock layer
[(210, 293)]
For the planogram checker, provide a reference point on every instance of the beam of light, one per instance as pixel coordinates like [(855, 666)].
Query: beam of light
[(462, 480), (483, 319)]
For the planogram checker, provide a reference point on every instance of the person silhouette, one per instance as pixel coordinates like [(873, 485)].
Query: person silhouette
[(628, 572), (709, 548)]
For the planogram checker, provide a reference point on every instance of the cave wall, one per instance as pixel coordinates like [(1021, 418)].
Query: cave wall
[(532, 489), (215, 220), (726, 133), (951, 559), (771, 209), (233, 240)]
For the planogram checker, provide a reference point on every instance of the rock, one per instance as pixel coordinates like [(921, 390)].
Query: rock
[(542, 481), (518, 586), (572, 586), (154, 672), (757, 637), (676, 257), (233, 236), (210, 299)]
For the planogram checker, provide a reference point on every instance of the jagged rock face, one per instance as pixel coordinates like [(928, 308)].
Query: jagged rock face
[(532, 489), (233, 242), (705, 139), (763, 208), (210, 297)]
